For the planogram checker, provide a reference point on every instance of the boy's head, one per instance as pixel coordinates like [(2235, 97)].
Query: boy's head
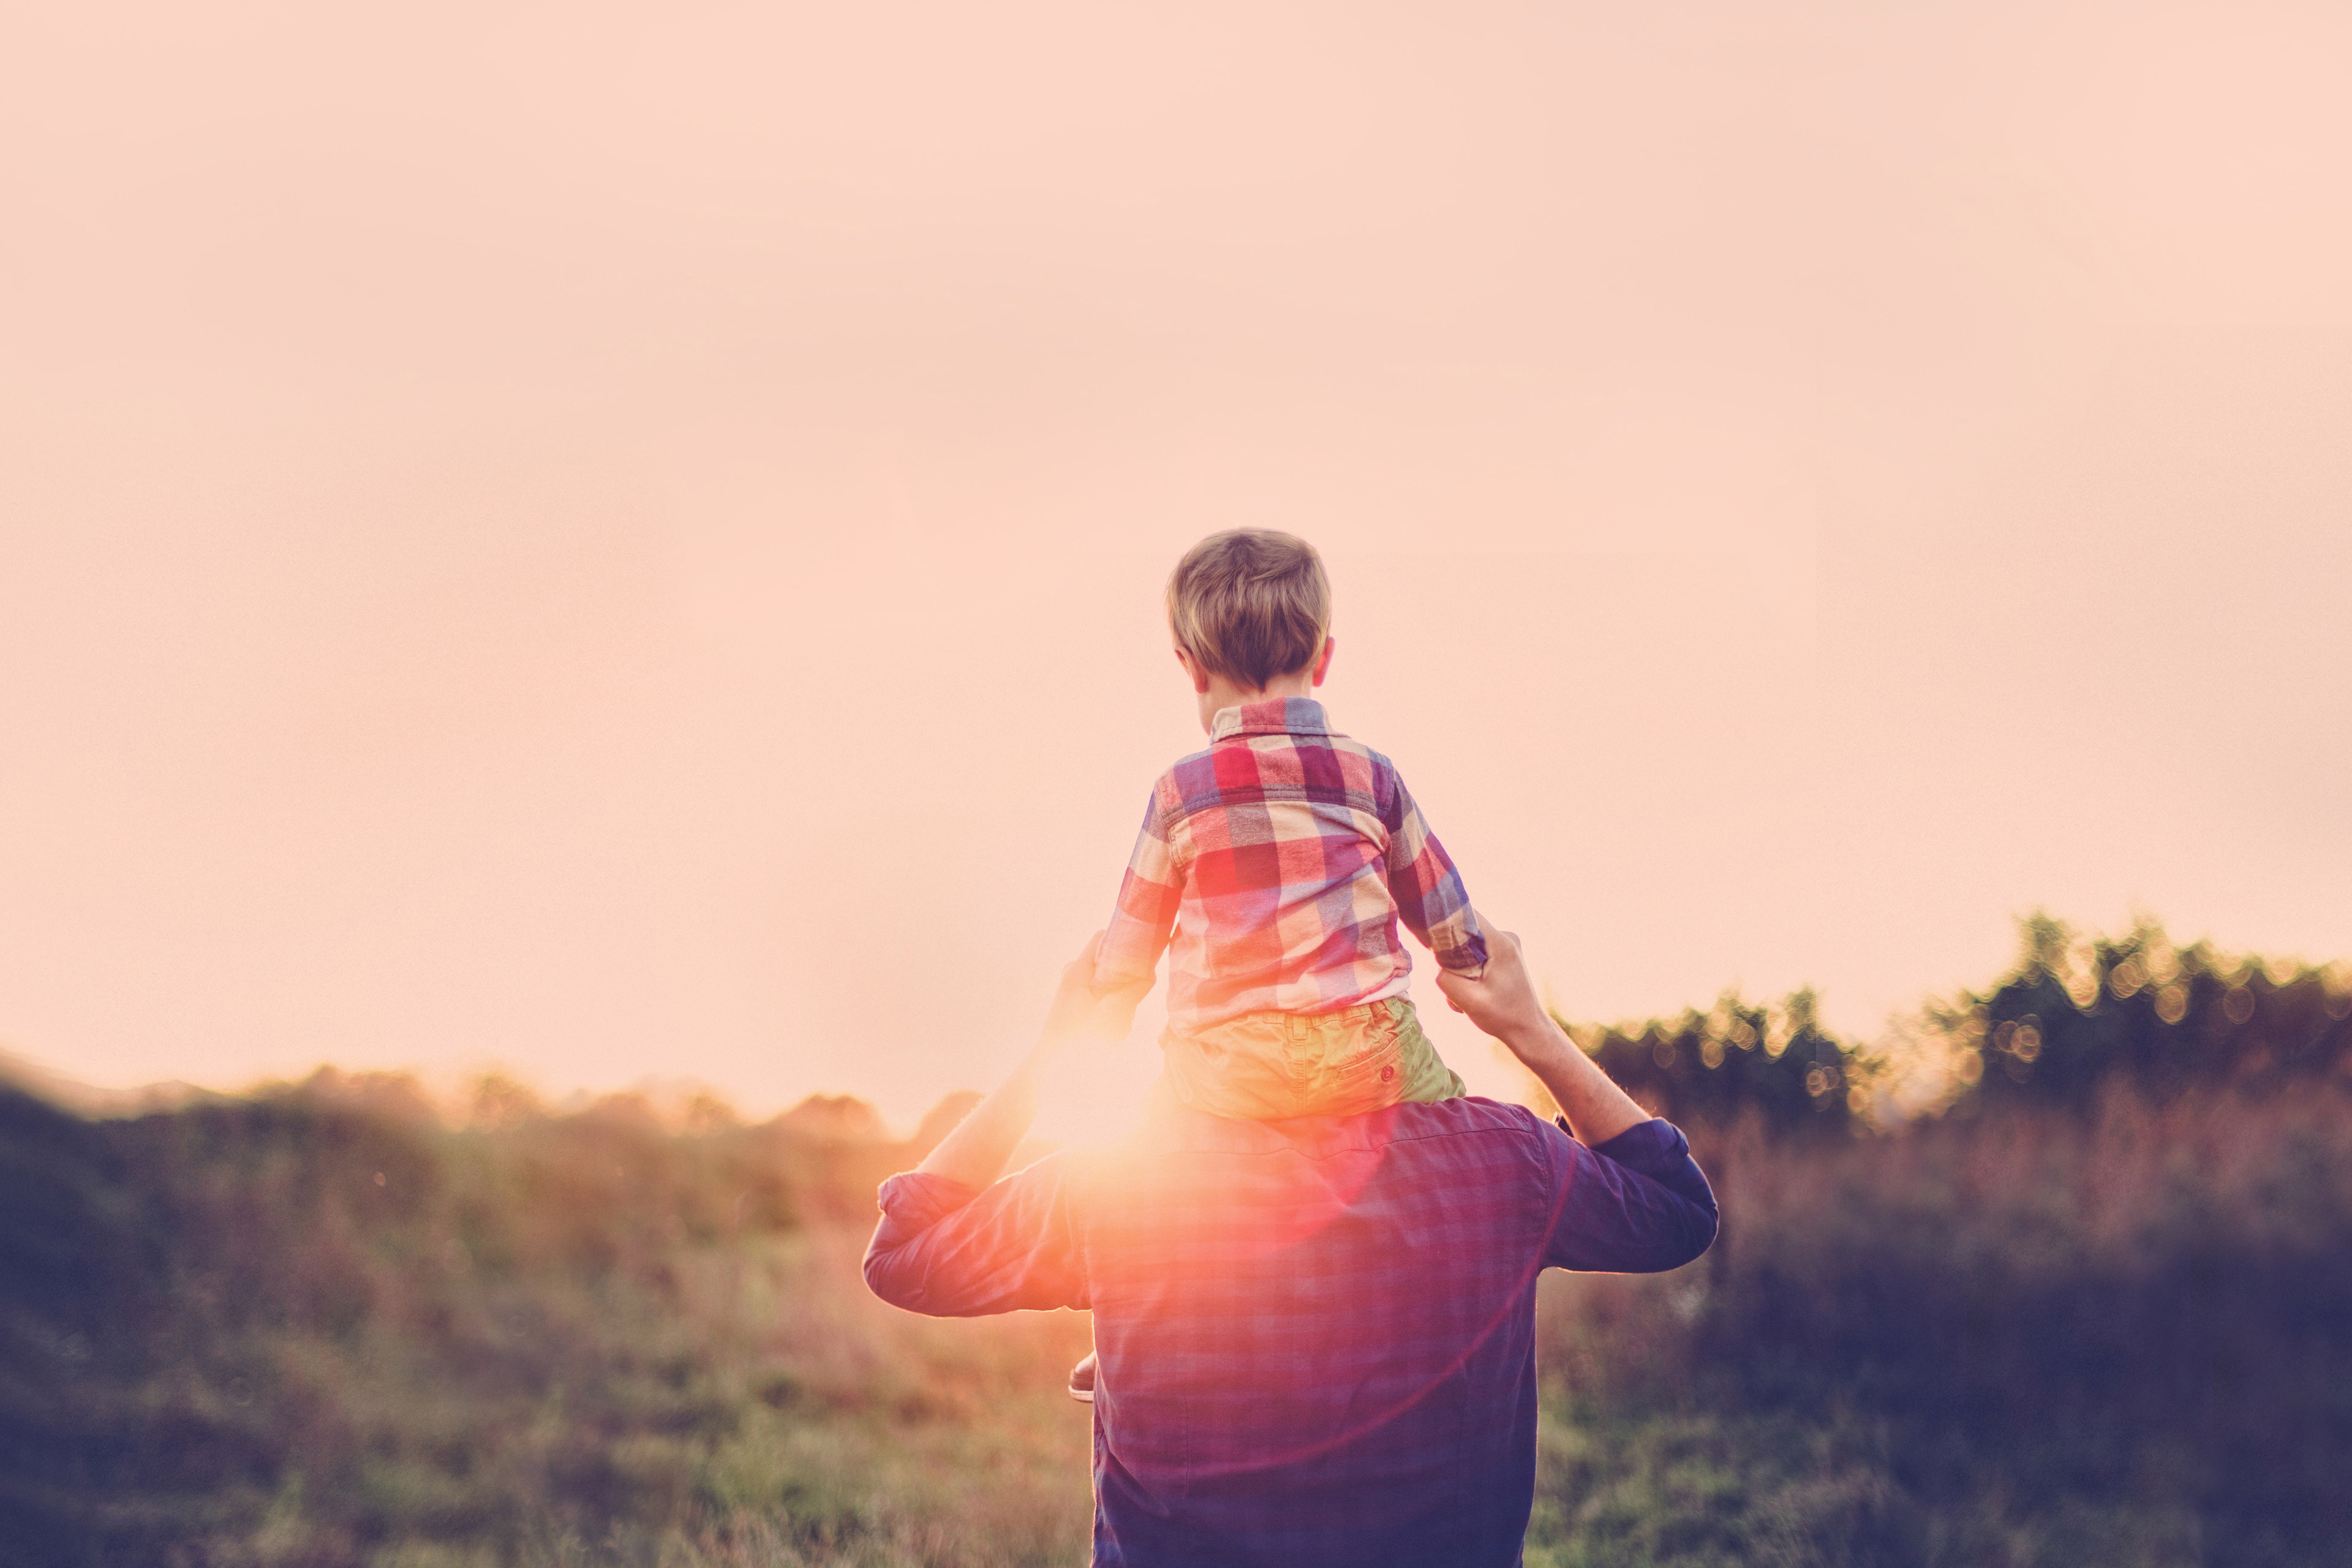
[(1249, 605)]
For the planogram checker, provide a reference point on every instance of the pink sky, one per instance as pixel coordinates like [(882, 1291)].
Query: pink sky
[(627, 542)]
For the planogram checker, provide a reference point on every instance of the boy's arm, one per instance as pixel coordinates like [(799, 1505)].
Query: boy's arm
[(1429, 894), (1145, 914)]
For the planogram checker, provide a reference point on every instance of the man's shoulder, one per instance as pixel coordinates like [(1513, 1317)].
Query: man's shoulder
[(1480, 1157), (1467, 1117)]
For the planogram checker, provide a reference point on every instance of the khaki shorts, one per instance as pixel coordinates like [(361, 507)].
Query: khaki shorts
[(1263, 1067)]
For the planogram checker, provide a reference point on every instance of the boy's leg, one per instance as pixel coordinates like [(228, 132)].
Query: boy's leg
[(1423, 1076), (1267, 1065), (1240, 1069)]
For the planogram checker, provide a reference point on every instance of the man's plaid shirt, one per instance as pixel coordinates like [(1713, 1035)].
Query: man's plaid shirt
[(1281, 858), (1317, 1335)]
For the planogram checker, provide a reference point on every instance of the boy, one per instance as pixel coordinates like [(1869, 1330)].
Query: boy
[(1279, 861)]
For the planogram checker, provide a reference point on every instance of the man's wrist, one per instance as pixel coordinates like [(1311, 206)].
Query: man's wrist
[(1539, 1042)]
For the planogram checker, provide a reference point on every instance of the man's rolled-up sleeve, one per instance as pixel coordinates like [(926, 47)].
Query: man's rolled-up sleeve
[(950, 1251), (1635, 1204)]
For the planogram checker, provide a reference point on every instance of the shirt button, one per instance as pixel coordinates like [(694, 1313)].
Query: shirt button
[(1387, 1073)]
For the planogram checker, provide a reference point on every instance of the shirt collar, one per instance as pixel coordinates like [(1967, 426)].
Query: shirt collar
[(1275, 716)]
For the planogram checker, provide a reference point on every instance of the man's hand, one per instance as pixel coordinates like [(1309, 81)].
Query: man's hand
[(1081, 1010), (975, 1149), (1073, 1012), (1502, 1001), (1115, 1007)]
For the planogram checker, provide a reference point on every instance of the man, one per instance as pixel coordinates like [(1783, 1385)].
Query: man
[(1317, 1336)]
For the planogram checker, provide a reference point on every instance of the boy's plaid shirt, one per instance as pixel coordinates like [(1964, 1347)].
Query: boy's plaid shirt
[(1281, 859)]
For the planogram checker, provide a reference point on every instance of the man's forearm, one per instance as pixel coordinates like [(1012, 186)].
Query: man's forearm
[(975, 1150), (1596, 1109)]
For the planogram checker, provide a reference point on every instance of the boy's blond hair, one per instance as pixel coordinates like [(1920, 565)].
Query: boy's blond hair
[(1250, 603)]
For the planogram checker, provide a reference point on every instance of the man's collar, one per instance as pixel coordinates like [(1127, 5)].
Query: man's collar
[(1275, 716)]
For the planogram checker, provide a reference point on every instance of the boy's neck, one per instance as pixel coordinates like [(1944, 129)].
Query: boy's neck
[(1223, 694), (1216, 692)]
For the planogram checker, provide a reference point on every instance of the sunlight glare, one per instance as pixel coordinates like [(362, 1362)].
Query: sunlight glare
[(1093, 1092)]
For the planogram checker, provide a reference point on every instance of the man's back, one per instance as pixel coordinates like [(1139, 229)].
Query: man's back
[(1317, 1336)]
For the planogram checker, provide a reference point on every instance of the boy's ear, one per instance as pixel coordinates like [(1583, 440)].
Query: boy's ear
[(1192, 668), (1322, 660)]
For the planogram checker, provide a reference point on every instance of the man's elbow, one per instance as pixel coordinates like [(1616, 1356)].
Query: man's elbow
[(1700, 1224), (890, 1274)]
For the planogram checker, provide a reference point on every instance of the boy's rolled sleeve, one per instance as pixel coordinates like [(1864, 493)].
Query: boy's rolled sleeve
[(1636, 1204), (1145, 914), (948, 1251), (1428, 891)]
